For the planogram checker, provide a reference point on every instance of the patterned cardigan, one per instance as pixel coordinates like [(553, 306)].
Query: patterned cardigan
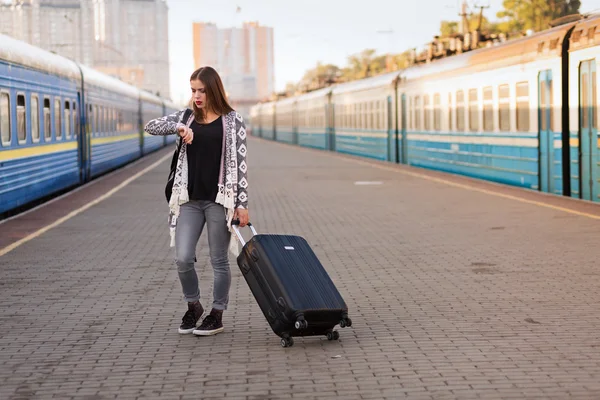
[(233, 181)]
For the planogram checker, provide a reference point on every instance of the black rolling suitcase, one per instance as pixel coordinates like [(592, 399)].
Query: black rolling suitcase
[(291, 287)]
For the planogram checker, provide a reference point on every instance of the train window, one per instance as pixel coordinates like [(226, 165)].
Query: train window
[(75, 121), (5, 119), (21, 124), (522, 106), (450, 112), (47, 122), (584, 100), (551, 105), (57, 120), (120, 120), (473, 111), (427, 113), (410, 113), (35, 119), (417, 113), (101, 123), (594, 107), (95, 128), (504, 108), (488, 109), (543, 105), (437, 112), (111, 120), (460, 111), (67, 118)]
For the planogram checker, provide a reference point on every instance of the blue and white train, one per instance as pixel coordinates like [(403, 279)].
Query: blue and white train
[(522, 113), (63, 124)]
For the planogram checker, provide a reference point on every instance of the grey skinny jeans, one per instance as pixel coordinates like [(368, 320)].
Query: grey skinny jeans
[(190, 223)]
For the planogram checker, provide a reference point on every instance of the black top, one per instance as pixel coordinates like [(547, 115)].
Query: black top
[(204, 160)]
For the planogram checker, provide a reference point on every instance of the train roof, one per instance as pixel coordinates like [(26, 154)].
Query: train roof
[(287, 100), (386, 79), (147, 96), (22, 53), (97, 78), (316, 93), (173, 105), (540, 45), (586, 33)]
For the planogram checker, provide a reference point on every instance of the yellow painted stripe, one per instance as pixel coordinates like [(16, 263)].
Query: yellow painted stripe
[(36, 150), (574, 142), (82, 209), (449, 183), (111, 139)]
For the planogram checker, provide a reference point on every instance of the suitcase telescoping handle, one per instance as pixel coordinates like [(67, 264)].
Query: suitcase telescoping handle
[(235, 225)]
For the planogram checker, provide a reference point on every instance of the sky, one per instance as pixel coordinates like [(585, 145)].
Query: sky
[(310, 31)]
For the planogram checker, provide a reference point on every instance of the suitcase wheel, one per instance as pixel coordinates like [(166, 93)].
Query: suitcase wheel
[(301, 324), (345, 322), (287, 341), (333, 335)]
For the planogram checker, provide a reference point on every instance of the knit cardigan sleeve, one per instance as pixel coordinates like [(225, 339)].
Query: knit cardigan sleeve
[(242, 172), (166, 125)]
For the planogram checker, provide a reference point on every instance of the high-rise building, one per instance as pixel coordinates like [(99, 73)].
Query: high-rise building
[(124, 38), (243, 57)]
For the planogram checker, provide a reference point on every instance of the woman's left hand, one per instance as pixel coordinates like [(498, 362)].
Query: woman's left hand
[(242, 215)]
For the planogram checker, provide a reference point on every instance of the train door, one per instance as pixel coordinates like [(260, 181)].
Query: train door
[(330, 120), (546, 135), (140, 128), (294, 124), (403, 138), (82, 141), (390, 131), (588, 131)]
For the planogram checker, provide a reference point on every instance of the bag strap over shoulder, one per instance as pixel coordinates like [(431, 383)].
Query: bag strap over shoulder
[(186, 115)]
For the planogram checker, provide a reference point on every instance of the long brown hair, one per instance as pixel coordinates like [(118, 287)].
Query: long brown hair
[(216, 98)]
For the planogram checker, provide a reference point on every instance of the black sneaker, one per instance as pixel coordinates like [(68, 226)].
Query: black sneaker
[(211, 325), (191, 317)]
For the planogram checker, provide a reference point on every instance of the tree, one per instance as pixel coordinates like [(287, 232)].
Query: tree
[(320, 76), (360, 65), (452, 28), (535, 14)]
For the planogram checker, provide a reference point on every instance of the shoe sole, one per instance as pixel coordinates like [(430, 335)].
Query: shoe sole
[(208, 333)]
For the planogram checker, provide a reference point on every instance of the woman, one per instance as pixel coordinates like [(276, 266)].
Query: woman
[(210, 187)]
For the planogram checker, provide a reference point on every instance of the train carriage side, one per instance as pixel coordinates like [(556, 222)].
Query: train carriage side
[(267, 120), (314, 123), (584, 97), (40, 95), (253, 124), (151, 107), (490, 113), (112, 109), (285, 120), (365, 117)]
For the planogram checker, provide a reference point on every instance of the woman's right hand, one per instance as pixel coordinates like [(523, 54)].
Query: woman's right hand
[(187, 135)]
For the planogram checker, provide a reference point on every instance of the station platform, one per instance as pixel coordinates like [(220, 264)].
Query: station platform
[(457, 289)]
